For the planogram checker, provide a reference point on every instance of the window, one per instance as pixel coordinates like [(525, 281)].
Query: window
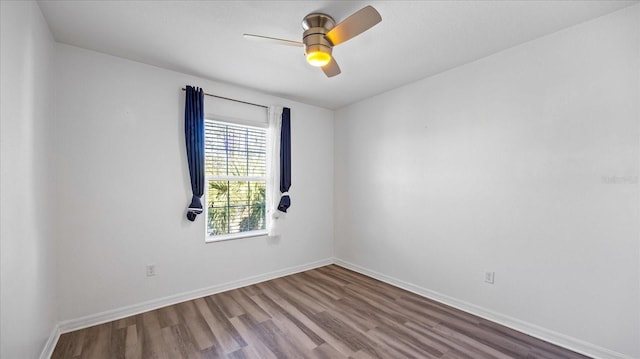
[(235, 170)]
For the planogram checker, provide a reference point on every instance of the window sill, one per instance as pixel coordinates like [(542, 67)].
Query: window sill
[(228, 237)]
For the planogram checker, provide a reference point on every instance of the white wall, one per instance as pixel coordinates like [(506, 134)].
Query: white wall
[(505, 165), (123, 188), (27, 287)]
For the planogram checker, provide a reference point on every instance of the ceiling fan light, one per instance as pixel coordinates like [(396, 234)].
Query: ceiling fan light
[(318, 58)]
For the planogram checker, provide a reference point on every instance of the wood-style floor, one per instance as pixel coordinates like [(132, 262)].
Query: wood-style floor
[(328, 312)]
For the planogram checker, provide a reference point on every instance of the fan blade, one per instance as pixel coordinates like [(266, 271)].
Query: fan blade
[(359, 22), (273, 40), (331, 69)]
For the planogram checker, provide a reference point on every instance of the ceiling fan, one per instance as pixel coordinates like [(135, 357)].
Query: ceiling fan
[(321, 34)]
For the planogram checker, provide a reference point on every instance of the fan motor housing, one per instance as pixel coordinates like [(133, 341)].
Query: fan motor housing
[(318, 20), (316, 26)]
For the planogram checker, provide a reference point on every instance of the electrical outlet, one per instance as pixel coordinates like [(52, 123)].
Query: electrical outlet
[(151, 270), (489, 277)]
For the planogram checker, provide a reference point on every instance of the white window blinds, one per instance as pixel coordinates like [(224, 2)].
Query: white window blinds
[(235, 169)]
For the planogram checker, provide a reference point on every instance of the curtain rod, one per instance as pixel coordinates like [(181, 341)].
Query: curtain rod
[(231, 99)]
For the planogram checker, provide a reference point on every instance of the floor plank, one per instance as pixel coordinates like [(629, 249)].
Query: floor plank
[(328, 312)]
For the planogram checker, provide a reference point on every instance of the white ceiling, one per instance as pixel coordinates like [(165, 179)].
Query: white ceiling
[(415, 39)]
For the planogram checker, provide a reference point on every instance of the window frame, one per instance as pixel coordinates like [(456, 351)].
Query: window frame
[(208, 178)]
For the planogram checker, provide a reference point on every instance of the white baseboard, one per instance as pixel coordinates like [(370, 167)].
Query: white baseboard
[(533, 330), (119, 313), (50, 345), (519, 325)]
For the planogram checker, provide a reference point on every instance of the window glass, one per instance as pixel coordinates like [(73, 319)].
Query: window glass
[(235, 169)]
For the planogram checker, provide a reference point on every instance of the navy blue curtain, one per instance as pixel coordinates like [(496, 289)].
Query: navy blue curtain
[(285, 160), (194, 136)]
